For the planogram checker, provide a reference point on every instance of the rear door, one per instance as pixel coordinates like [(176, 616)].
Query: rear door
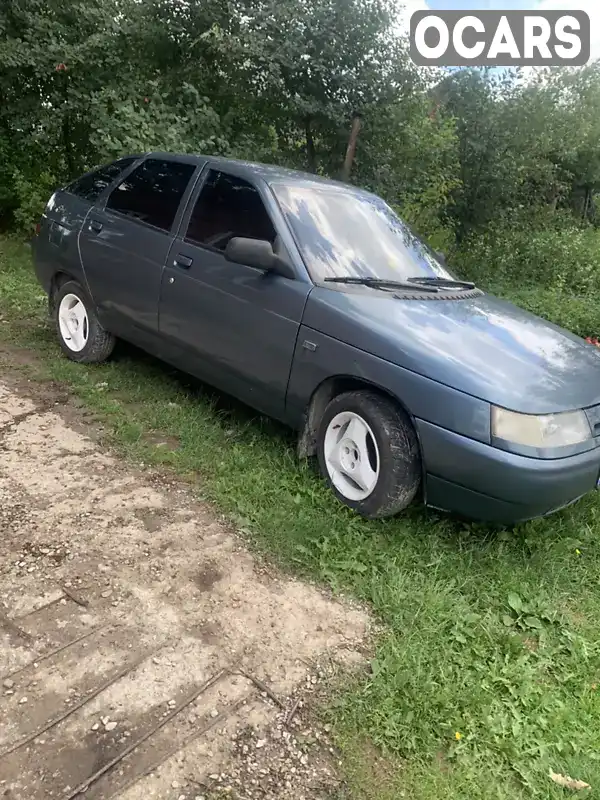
[(235, 325), (55, 247), (125, 241)]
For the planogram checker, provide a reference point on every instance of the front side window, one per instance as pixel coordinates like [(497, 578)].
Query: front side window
[(91, 185), (152, 192), (227, 207), (346, 234)]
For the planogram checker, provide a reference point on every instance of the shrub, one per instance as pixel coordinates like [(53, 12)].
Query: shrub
[(577, 313), (32, 194), (531, 253)]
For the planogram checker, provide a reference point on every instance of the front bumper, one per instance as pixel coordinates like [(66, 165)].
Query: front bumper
[(476, 480)]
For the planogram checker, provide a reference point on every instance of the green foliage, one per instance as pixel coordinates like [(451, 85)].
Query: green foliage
[(531, 251), (31, 195), (87, 81), (517, 145), (132, 125), (545, 262), (90, 80), (575, 312), (411, 159)]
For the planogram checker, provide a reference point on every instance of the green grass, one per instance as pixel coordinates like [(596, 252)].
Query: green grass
[(492, 635)]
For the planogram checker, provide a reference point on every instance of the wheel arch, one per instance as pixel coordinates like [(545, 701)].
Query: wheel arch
[(322, 396), (59, 278)]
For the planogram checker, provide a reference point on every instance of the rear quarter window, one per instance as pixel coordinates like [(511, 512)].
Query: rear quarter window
[(91, 185)]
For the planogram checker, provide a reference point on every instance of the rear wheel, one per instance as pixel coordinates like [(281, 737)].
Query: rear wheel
[(80, 334), (368, 453)]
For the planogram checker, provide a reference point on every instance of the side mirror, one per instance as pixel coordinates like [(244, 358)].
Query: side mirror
[(441, 256), (257, 253)]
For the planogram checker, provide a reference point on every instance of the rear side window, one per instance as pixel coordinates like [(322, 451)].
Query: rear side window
[(91, 185), (152, 192)]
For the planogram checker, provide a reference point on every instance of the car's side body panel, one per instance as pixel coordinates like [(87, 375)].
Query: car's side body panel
[(124, 264), (319, 357), (231, 325), (463, 473), (482, 346), (56, 248), (124, 261)]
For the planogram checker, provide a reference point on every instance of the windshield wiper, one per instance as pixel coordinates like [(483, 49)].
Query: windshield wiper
[(380, 283), (442, 282)]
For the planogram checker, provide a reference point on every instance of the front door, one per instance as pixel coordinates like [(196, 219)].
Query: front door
[(124, 245), (236, 325)]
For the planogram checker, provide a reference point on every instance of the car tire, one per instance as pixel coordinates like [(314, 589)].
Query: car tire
[(369, 454), (81, 336)]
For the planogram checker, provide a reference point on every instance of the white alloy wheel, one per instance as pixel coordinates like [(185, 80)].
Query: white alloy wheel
[(73, 322), (351, 456)]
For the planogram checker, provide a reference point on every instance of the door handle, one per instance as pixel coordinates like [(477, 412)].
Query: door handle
[(95, 225), (184, 262)]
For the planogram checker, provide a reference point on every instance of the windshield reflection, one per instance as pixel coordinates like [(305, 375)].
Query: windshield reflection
[(343, 233)]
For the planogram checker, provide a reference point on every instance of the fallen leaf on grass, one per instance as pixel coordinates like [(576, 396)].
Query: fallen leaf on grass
[(568, 783)]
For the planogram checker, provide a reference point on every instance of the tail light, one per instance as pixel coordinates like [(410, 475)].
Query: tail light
[(38, 228)]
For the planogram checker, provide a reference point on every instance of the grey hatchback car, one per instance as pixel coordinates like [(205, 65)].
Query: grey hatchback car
[(311, 301)]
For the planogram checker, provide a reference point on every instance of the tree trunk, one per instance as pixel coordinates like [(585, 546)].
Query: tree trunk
[(66, 131), (311, 156), (351, 149), (586, 202), (66, 135)]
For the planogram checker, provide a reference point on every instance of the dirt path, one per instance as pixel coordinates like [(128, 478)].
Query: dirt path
[(130, 620)]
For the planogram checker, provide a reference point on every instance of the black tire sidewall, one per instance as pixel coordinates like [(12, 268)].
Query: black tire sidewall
[(381, 416), (94, 328)]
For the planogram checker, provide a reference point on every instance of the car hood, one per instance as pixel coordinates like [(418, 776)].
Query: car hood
[(481, 345)]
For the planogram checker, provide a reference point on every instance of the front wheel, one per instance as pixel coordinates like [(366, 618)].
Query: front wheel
[(369, 454), (80, 334)]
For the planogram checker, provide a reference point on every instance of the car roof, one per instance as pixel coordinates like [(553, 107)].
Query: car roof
[(270, 173)]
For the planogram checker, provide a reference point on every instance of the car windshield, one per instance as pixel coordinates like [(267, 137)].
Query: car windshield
[(345, 234)]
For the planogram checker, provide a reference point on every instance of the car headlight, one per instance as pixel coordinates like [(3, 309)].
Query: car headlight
[(542, 431)]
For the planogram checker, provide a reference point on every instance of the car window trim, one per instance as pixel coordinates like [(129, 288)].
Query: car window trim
[(182, 206), (111, 212), (103, 196), (119, 177), (292, 233), (185, 222), (178, 158), (193, 199), (325, 189), (207, 247)]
